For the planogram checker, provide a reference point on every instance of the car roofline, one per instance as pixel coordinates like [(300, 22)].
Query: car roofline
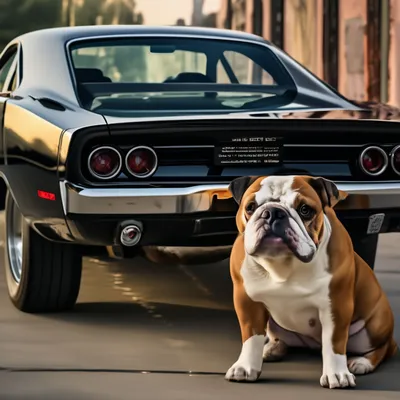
[(69, 33), (60, 39)]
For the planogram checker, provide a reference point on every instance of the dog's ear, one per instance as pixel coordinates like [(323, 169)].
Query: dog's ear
[(239, 185), (328, 192)]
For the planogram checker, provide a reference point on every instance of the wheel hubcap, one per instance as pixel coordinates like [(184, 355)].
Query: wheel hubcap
[(14, 241)]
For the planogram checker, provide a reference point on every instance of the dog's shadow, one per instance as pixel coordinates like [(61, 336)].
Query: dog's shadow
[(385, 378)]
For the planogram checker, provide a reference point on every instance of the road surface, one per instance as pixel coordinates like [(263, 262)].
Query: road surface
[(144, 331)]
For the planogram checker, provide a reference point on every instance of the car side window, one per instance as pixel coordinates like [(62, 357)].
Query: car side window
[(5, 66), (13, 84)]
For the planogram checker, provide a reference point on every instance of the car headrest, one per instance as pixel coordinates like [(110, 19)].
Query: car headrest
[(193, 77), (90, 75)]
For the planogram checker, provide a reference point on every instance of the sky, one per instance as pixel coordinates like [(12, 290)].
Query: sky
[(166, 12)]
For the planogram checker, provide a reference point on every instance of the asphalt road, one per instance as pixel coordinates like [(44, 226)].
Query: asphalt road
[(144, 331)]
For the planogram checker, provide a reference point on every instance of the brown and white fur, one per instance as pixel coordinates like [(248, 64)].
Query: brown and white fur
[(297, 279)]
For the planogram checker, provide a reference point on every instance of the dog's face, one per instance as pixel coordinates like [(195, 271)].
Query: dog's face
[(283, 216)]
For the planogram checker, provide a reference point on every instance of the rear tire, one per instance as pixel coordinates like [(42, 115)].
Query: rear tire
[(366, 246), (42, 276)]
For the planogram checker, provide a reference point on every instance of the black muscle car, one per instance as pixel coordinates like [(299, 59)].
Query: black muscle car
[(127, 137)]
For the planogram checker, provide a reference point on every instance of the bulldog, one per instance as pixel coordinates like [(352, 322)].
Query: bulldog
[(298, 282)]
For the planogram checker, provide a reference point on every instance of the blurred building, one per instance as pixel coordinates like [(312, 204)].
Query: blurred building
[(352, 44)]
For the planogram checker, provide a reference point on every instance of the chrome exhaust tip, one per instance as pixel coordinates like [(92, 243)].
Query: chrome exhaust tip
[(130, 235)]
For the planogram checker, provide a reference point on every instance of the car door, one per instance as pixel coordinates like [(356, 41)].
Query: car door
[(8, 79)]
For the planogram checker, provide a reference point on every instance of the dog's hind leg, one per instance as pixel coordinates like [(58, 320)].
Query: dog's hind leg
[(368, 363), (275, 349), (280, 340)]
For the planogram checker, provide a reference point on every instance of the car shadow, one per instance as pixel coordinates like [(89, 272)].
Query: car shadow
[(186, 321), (130, 315)]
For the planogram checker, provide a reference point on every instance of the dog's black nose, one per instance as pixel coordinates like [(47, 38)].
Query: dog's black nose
[(272, 214)]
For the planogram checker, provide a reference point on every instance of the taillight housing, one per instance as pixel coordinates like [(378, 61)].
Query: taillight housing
[(105, 162), (373, 160), (395, 160), (141, 162)]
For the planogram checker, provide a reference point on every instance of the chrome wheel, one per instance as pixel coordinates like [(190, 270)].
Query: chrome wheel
[(14, 241)]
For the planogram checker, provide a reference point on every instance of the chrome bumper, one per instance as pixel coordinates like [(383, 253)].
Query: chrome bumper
[(186, 200)]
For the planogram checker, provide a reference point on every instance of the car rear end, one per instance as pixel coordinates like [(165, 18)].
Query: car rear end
[(191, 114), (167, 177)]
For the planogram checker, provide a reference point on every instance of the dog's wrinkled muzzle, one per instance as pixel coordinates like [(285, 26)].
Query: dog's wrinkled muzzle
[(272, 231)]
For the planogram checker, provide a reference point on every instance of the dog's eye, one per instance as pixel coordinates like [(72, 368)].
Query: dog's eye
[(250, 207), (306, 211)]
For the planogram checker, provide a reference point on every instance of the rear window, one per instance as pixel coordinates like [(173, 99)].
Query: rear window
[(139, 77)]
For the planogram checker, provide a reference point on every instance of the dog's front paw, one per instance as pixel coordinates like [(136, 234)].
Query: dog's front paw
[(242, 373), (341, 379), (249, 364)]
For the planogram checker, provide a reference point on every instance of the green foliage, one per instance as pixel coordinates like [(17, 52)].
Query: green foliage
[(130, 60), (87, 14), (21, 16), (110, 12)]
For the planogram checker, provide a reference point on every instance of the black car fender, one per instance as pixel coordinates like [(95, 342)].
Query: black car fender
[(38, 196)]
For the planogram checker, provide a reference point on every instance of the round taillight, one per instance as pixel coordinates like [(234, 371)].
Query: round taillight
[(373, 160), (141, 161), (105, 162), (395, 159)]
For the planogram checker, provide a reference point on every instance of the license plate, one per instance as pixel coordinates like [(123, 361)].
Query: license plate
[(248, 151), (375, 223)]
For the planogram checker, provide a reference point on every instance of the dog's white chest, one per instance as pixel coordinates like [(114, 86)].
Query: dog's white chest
[(293, 303)]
